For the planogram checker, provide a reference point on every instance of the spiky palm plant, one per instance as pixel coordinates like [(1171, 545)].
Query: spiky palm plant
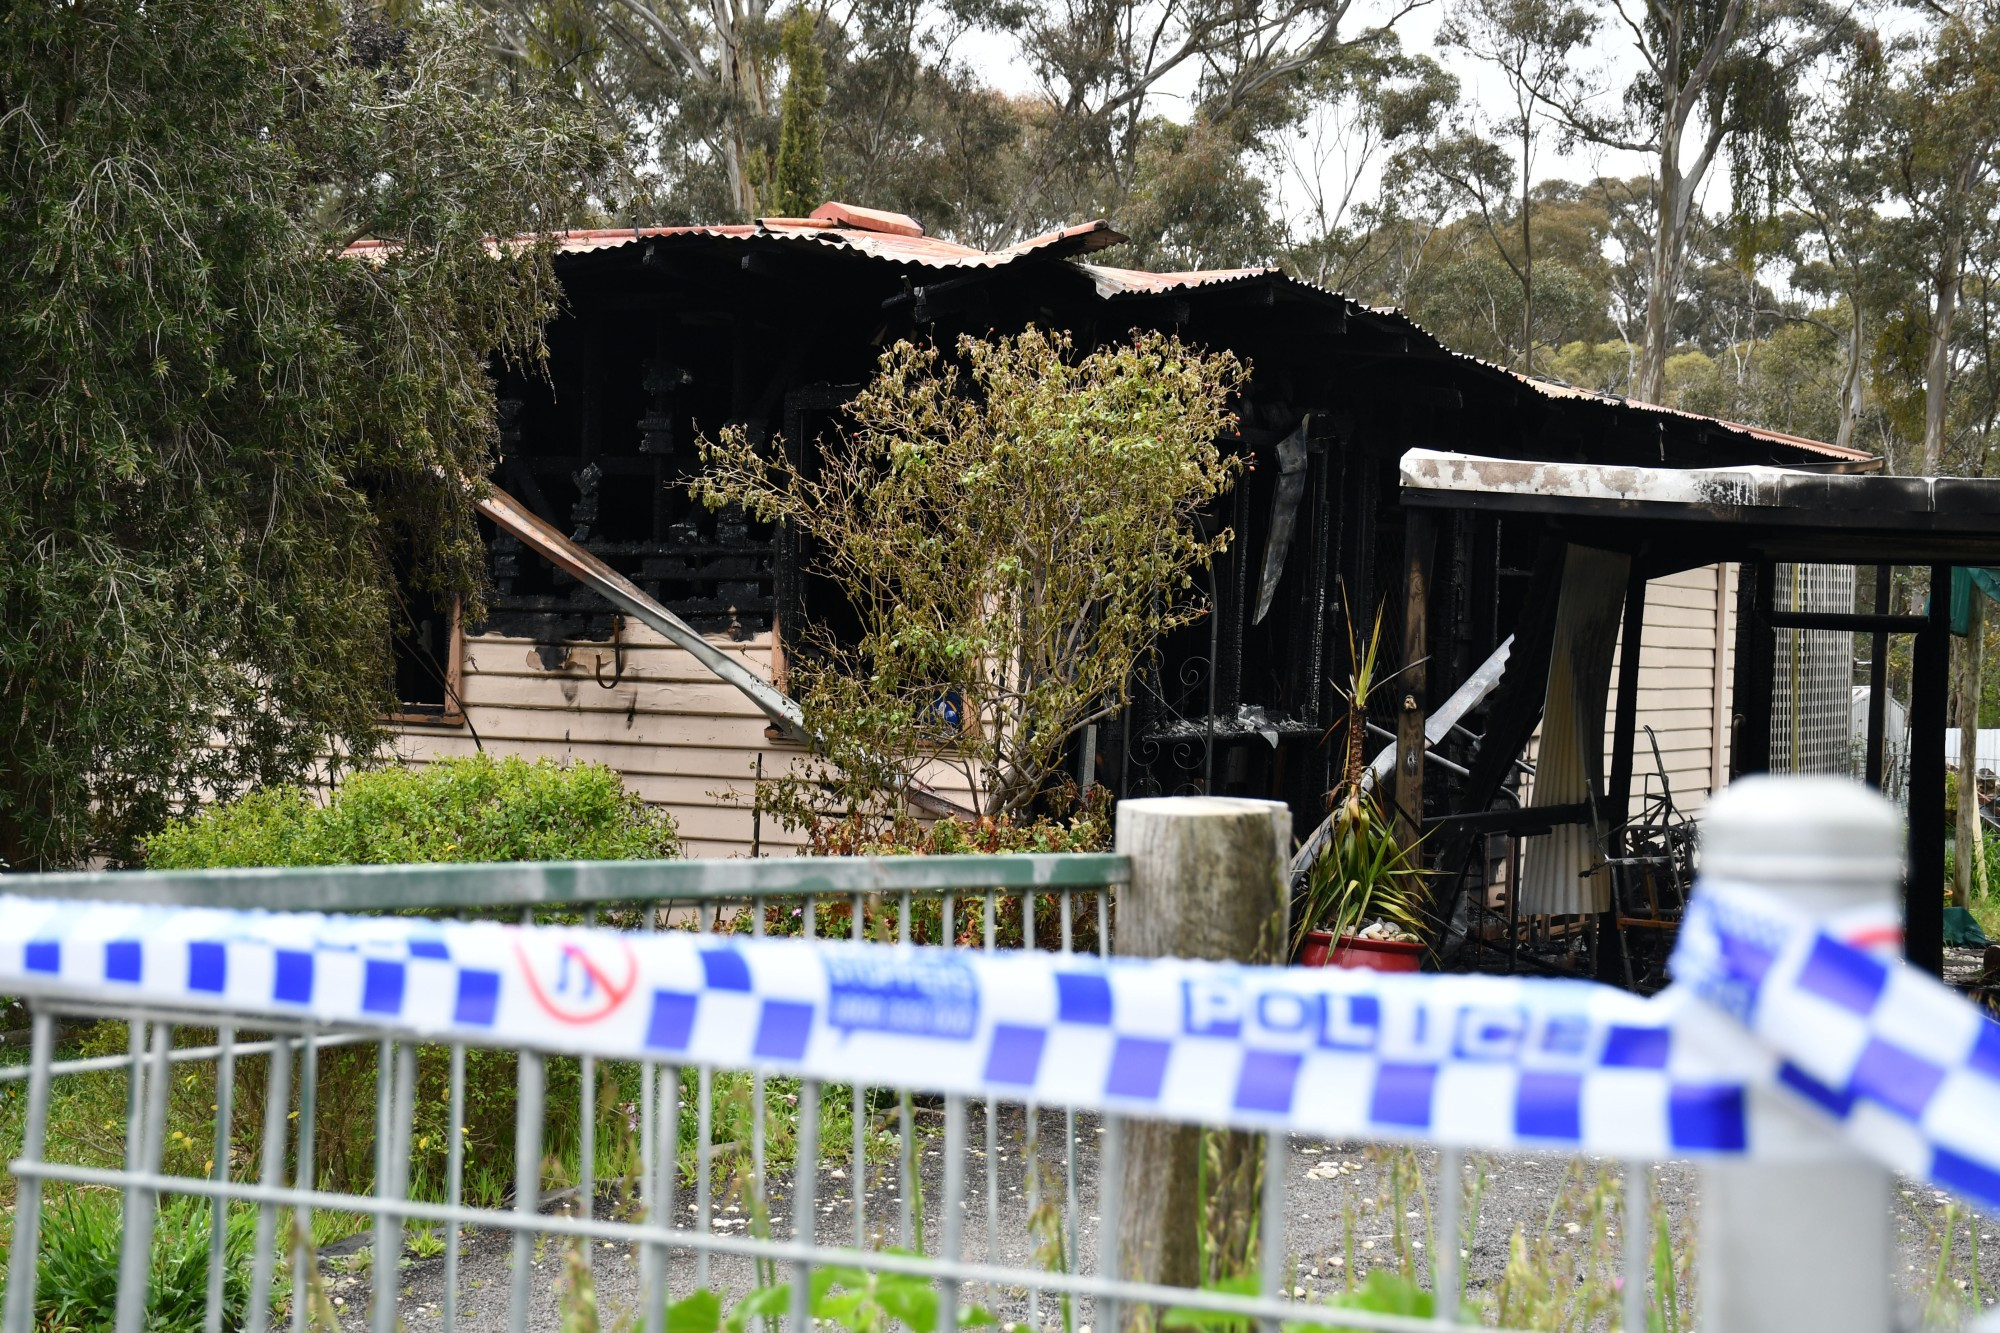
[(1364, 873)]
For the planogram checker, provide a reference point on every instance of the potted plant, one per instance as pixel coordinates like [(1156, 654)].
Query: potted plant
[(1364, 897)]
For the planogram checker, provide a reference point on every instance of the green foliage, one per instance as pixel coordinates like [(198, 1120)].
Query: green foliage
[(800, 184), (218, 427), (76, 1284), (1363, 873), (1012, 534), (1381, 1292), (472, 809), (1089, 830), (856, 1299)]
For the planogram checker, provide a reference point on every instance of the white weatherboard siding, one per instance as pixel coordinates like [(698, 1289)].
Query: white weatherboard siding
[(684, 741), (1686, 661), (1686, 665)]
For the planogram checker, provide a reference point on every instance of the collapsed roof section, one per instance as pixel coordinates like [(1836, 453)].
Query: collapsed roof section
[(798, 251)]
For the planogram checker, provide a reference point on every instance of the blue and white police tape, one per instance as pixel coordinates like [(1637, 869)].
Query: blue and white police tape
[(1903, 1068), (1783, 1037)]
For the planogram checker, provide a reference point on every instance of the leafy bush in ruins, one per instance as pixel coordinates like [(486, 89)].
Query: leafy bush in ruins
[(1013, 528), (473, 809)]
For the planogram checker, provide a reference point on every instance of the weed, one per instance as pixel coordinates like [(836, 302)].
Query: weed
[(320, 1314), (1045, 1224), (1951, 1298), (579, 1291)]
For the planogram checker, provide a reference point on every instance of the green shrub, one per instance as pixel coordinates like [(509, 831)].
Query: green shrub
[(473, 809)]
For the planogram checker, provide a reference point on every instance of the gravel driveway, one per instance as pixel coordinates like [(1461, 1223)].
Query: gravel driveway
[(1340, 1200)]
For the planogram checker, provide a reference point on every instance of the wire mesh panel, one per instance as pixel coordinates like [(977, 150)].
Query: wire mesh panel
[(1812, 683)]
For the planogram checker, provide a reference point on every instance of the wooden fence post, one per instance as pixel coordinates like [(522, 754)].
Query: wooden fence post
[(1803, 1243), (1208, 881)]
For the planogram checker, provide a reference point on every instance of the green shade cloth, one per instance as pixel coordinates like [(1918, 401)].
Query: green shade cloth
[(1961, 928), (1962, 583)]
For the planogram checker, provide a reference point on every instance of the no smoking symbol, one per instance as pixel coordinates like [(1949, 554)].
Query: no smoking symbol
[(578, 981)]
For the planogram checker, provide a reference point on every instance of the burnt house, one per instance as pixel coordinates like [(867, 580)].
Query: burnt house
[(675, 332)]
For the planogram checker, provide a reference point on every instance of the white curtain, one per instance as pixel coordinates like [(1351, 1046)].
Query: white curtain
[(1570, 763)]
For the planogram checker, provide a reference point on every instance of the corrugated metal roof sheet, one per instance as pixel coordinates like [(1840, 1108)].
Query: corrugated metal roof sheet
[(1557, 389), (876, 241), (1128, 281)]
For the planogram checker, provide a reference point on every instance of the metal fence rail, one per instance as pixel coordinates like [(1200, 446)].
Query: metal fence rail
[(1062, 898), (1052, 898), (991, 911)]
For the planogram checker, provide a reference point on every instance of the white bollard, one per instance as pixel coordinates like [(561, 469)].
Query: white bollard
[(1800, 1245)]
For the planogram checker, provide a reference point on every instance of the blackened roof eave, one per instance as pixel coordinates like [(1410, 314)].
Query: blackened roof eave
[(919, 261), (1628, 415), (1728, 513)]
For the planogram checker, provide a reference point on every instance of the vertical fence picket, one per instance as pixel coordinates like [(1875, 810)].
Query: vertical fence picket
[(306, 1176), (277, 1098), (858, 1185), (135, 1259), (1273, 1265), (218, 1225), (1636, 1217), (586, 1131), (454, 1185), (389, 1225), (805, 1200), (1445, 1280), (1111, 1219), (26, 1255), (530, 1104), (951, 1220)]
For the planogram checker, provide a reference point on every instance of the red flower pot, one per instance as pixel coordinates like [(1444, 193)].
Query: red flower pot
[(1375, 955)]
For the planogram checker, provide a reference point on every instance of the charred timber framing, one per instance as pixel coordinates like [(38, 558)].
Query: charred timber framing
[(1419, 549), (671, 334), (1930, 686), (1765, 516)]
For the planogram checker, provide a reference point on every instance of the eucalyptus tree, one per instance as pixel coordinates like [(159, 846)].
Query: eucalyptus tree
[(1366, 114), (687, 83), (1104, 68), (1533, 44), (1945, 128), (1714, 75), (1835, 168), (221, 416)]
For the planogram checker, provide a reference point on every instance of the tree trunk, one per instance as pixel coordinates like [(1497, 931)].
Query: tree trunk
[(1527, 263), (1853, 388), (743, 87), (1966, 846), (1668, 234), (1937, 364)]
